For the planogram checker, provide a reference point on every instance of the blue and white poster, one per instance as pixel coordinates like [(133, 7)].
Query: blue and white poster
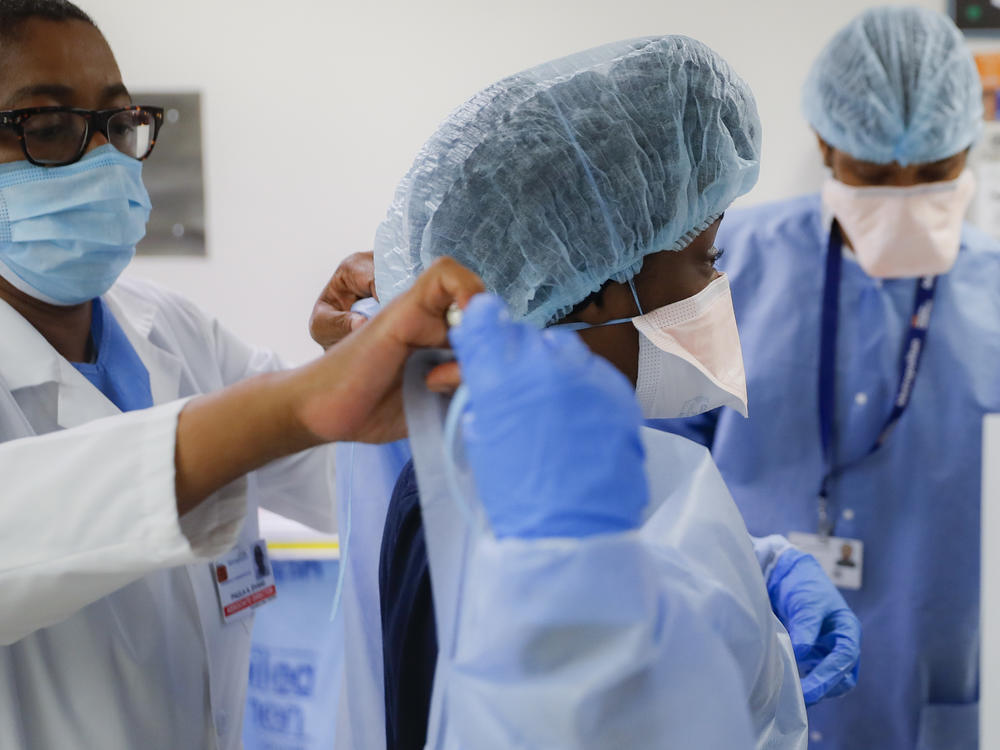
[(296, 662)]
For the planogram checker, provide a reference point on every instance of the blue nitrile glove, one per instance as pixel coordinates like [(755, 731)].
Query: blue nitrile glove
[(551, 431), (825, 633)]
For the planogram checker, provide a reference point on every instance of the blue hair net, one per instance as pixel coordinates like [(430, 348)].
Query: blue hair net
[(556, 180), (896, 84)]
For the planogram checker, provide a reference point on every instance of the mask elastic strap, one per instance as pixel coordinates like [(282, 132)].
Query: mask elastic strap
[(635, 296), (617, 321), (346, 546)]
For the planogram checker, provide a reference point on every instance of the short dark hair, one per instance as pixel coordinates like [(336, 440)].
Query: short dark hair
[(13, 14)]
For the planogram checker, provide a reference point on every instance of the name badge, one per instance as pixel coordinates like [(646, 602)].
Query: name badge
[(244, 580), (841, 558)]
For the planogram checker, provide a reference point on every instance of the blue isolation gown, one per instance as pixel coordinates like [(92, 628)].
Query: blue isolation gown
[(914, 503), (658, 638), (665, 634)]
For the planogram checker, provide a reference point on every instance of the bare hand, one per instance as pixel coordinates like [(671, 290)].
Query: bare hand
[(332, 319), (355, 390), (445, 378)]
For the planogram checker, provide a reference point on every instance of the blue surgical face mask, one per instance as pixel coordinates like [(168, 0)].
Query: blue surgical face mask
[(67, 233)]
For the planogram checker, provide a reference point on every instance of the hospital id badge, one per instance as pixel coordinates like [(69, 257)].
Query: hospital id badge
[(244, 580), (841, 558)]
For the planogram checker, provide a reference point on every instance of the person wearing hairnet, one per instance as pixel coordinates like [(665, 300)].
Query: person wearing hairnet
[(870, 320), (112, 632), (568, 624), (525, 185)]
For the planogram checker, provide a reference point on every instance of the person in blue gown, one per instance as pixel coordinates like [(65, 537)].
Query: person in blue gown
[(624, 265), (868, 392)]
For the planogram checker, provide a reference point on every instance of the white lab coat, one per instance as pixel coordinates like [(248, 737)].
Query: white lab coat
[(111, 631)]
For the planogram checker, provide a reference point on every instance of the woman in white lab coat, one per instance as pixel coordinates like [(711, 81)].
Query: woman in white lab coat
[(111, 634)]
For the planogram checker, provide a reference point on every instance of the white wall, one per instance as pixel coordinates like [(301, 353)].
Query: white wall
[(313, 110)]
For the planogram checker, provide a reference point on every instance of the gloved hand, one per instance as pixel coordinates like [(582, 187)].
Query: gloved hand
[(551, 431), (825, 633)]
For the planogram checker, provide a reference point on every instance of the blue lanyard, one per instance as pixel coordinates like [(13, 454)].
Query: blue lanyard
[(909, 364)]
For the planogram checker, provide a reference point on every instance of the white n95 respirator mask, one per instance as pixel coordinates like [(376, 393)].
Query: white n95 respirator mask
[(690, 359), (902, 232)]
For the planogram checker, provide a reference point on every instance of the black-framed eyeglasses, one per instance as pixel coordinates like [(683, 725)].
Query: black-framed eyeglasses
[(57, 136)]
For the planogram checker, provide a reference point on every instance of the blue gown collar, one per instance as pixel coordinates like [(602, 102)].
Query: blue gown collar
[(118, 372)]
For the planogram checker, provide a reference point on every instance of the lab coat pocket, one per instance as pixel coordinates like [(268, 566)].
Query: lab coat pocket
[(949, 726)]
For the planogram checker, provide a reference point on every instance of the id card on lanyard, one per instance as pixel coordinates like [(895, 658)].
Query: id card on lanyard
[(909, 366)]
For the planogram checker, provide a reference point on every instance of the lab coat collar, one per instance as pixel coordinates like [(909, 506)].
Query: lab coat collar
[(28, 360)]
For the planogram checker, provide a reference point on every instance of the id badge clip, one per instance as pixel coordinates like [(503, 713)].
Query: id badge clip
[(244, 580), (842, 558)]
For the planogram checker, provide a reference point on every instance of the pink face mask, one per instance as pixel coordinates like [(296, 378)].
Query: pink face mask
[(902, 232), (690, 360)]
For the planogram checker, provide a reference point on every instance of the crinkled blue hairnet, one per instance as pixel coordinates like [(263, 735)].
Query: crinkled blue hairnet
[(896, 84), (553, 181)]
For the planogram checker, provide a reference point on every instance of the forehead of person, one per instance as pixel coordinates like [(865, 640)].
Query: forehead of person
[(561, 183), (46, 63), (861, 173)]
